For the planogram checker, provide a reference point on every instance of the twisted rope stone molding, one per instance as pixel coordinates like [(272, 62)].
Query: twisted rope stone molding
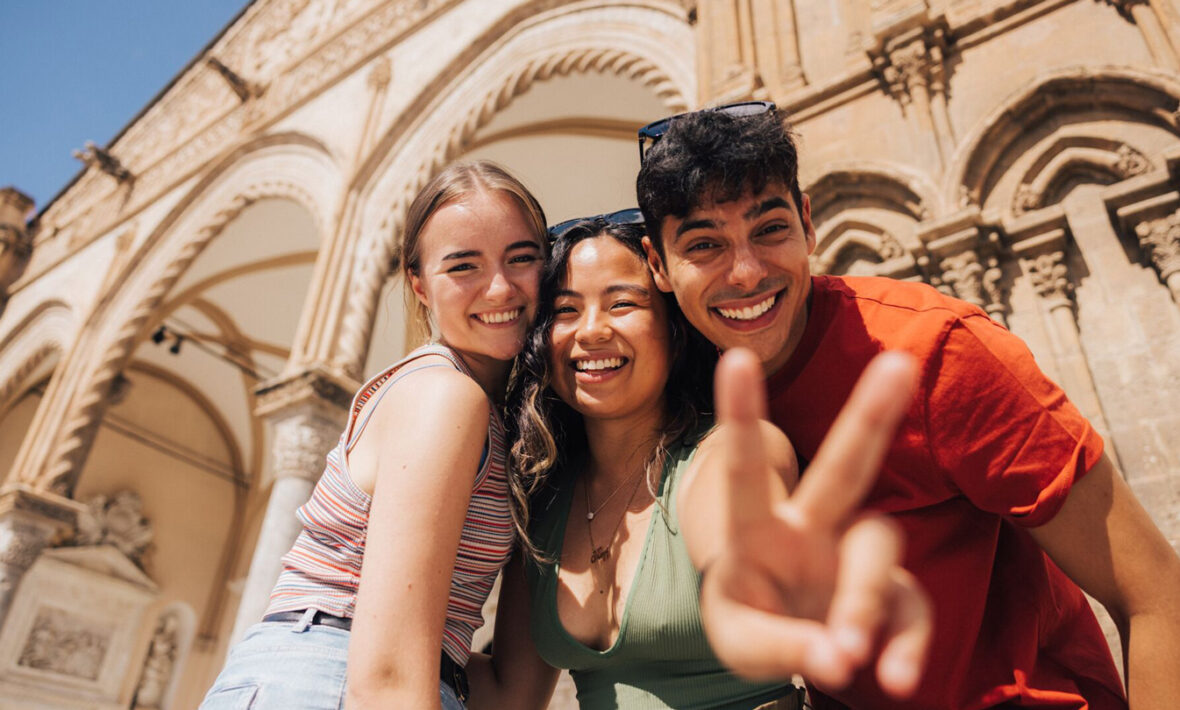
[(84, 413), (372, 268)]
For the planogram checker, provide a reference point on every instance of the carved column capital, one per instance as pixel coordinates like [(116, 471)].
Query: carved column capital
[(30, 521), (307, 412), (1160, 239), (1050, 277), (964, 273), (913, 59)]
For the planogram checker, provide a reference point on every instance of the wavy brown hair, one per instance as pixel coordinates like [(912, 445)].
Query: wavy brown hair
[(550, 436)]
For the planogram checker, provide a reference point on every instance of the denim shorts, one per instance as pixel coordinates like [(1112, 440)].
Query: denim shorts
[(290, 666)]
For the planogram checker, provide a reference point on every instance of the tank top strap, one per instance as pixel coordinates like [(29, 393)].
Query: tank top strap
[(393, 373)]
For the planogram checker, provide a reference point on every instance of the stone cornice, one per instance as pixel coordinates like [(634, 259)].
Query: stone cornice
[(158, 149), (316, 386), (23, 500)]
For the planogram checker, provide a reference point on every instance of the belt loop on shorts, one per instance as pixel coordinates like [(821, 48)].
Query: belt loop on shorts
[(304, 622)]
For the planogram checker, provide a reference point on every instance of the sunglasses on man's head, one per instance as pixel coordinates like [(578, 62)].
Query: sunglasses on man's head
[(631, 215), (655, 130)]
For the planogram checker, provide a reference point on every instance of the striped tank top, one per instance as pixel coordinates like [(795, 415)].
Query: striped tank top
[(323, 568)]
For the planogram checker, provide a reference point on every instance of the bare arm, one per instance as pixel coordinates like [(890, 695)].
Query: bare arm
[(425, 458), (514, 676), (1104, 540)]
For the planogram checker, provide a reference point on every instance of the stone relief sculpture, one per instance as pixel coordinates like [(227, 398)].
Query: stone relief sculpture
[(161, 660), (65, 643), (118, 521)]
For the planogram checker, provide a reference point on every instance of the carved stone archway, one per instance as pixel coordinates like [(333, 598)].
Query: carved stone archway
[(1148, 96), (284, 167), (648, 42)]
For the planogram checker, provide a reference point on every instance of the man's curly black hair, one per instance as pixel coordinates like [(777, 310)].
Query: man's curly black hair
[(708, 157)]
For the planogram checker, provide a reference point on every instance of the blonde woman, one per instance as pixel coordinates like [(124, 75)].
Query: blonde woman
[(410, 523)]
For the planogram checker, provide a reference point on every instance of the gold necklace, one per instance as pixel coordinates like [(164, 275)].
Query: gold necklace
[(600, 553)]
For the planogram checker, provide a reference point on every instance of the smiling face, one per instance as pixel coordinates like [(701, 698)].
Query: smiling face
[(477, 274), (610, 341), (740, 271)]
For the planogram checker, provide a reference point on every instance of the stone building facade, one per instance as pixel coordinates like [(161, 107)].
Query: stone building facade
[(183, 326)]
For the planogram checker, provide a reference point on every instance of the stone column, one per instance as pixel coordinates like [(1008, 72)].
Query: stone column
[(306, 413), (1049, 275), (909, 58), (30, 521), (1156, 21), (1160, 239)]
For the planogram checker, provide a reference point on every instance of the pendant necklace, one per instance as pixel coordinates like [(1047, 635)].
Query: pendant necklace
[(602, 552)]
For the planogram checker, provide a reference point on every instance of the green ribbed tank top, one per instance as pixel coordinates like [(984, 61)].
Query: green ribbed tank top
[(660, 659)]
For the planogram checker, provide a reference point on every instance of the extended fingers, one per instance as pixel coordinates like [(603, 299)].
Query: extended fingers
[(846, 464), (907, 639), (762, 645), (863, 600), (740, 395)]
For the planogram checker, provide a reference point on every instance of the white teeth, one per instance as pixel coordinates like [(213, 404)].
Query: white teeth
[(749, 312), (502, 317), (609, 363)]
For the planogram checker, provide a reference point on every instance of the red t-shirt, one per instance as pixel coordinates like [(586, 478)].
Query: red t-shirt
[(989, 448)]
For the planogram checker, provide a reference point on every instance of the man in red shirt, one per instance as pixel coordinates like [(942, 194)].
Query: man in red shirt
[(1007, 502)]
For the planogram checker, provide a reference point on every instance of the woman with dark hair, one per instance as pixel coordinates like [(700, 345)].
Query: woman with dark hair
[(610, 406)]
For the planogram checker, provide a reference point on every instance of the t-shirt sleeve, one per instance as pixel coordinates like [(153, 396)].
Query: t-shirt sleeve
[(1004, 433)]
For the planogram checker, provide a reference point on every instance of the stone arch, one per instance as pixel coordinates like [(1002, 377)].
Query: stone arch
[(645, 41), (1132, 95), (286, 166), (49, 329), (889, 186), (847, 240), (1092, 158), (874, 209)]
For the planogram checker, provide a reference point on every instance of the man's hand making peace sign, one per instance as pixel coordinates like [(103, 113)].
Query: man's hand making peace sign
[(796, 579)]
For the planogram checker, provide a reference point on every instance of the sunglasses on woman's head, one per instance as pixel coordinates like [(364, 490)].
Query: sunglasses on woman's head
[(655, 130), (631, 215)]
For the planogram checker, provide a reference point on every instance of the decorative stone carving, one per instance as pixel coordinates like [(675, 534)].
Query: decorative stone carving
[(245, 89), (1160, 238), (300, 444), (72, 634), (1124, 7), (16, 245), (964, 273), (890, 247), (161, 660), (116, 521), (1027, 198), (94, 156), (1131, 162), (66, 644), (912, 60), (1050, 276)]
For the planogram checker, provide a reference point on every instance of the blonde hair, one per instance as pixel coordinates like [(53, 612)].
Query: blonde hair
[(454, 182)]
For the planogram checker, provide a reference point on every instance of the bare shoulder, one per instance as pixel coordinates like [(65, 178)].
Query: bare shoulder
[(427, 392)]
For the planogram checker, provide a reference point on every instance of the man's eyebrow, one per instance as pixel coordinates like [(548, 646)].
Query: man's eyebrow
[(765, 206), (690, 224), (462, 254)]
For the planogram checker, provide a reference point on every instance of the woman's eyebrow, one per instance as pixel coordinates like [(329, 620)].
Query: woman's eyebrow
[(628, 288), (467, 254), (523, 244)]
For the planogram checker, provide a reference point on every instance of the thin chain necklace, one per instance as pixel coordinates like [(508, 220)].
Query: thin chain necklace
[(600, 553), (586, 489)]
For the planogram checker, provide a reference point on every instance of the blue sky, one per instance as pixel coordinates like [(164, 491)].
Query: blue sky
[(78, 70)]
